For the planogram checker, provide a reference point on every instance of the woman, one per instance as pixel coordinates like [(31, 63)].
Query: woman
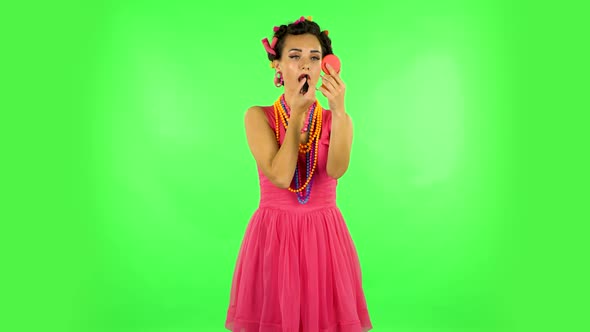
[(297, 268)]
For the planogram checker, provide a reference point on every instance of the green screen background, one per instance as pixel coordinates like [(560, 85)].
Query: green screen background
[(129, 184)]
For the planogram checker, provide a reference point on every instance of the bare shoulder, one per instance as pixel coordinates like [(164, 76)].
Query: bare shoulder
[(257, 125), (255, 115), (254, 109), (260, 137)]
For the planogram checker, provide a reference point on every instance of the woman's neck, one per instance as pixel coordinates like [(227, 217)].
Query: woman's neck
[(289, 101)]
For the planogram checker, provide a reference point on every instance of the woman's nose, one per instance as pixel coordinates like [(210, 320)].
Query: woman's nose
[(304, 63)]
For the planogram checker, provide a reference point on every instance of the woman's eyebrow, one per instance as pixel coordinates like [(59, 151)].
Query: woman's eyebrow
[(299, 50)]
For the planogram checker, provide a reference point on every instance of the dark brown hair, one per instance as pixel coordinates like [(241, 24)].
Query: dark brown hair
[(300, 28)]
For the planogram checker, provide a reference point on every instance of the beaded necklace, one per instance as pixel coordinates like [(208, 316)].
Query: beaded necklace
[(309, 148)]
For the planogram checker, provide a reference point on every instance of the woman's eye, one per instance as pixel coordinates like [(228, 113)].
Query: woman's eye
[(315, 58)]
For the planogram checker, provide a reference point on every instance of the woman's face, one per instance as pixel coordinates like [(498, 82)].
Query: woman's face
[(301, 56)]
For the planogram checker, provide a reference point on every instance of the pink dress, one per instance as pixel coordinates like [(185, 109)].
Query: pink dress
[(297, 269)]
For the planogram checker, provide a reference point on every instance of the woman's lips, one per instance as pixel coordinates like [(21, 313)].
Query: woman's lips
[(303, 76), (305, 85)]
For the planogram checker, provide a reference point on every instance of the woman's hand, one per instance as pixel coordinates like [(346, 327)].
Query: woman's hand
[(302, 101), (333, 88)]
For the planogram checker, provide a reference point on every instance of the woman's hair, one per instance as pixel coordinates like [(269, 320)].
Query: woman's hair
[(299, 28)]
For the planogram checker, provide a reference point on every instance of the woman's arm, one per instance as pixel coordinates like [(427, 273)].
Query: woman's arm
[(340, 144), (277, 164)]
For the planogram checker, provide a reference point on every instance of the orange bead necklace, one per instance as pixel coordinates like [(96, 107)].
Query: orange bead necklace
[(309, 148)]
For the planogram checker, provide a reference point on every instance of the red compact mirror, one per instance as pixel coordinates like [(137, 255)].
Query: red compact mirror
[(333, 61)]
